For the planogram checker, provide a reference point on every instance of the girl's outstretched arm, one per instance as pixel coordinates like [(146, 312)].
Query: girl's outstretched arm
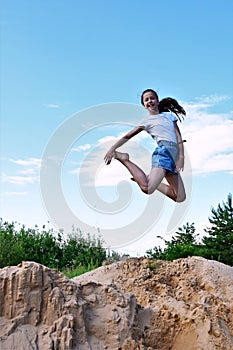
[(110, 154)]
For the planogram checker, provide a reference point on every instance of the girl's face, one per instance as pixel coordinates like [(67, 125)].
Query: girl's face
[(151, 102)]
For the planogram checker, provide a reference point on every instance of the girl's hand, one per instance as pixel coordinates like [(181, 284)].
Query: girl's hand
[(180, 164), (108, 157)]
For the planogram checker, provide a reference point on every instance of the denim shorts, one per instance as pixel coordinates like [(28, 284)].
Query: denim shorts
[(165, 156)]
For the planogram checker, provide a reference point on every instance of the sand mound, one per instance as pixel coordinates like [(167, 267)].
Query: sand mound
[(138, 303)]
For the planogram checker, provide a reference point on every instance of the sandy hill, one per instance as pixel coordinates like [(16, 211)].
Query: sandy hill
[(134, 304)]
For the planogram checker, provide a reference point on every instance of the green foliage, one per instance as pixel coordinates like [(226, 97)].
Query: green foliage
[(78, 253), (219, 241), (154, 266), (9, 251), (114, 256), (77, 271), (28, 245), (218, 245), (182, 245), (49, 248), (79, 250), (185, 235)]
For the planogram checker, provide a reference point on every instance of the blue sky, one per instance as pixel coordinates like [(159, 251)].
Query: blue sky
[(61, 58)]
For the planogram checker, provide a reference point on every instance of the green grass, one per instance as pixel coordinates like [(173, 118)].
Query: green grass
[(77, 271), (154, 266)]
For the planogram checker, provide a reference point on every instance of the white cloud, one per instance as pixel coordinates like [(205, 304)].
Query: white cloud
[(112, 139), (14, 193), (105, 176), (111, 175), (27, 162), (209, 139), (107, 139), (53, 105), (19, 180), (84, 147), (28, 171), (204, 102), (28, 174), (212, 100), (75, 171)]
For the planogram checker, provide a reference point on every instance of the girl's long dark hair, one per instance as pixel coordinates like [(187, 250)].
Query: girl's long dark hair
[(167, 104)]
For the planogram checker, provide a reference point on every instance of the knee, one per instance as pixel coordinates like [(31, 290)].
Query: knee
[(180, 198), (147, 190)]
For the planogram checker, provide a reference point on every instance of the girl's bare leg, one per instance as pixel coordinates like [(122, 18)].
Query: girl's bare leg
[(155, 178), (137, 173), (175, 188), (148, 184)]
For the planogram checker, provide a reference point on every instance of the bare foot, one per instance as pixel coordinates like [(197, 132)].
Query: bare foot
[(121, 156)]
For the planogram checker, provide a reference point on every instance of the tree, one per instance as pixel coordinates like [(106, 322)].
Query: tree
[(185, 235), (219, 242), (182, 245)]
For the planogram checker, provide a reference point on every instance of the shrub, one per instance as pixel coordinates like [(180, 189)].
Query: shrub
[(48, 247)]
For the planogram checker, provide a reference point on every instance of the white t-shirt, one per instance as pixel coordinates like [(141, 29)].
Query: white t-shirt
[(160, 126)]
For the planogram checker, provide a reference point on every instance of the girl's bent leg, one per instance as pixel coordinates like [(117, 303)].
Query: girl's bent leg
[(175, 188), (155, 178), (137, 173), (150, 183)]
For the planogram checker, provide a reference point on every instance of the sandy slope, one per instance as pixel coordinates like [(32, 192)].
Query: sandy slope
[(134, 304)]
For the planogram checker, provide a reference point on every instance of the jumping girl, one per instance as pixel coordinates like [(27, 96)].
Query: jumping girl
[(168, 157)]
